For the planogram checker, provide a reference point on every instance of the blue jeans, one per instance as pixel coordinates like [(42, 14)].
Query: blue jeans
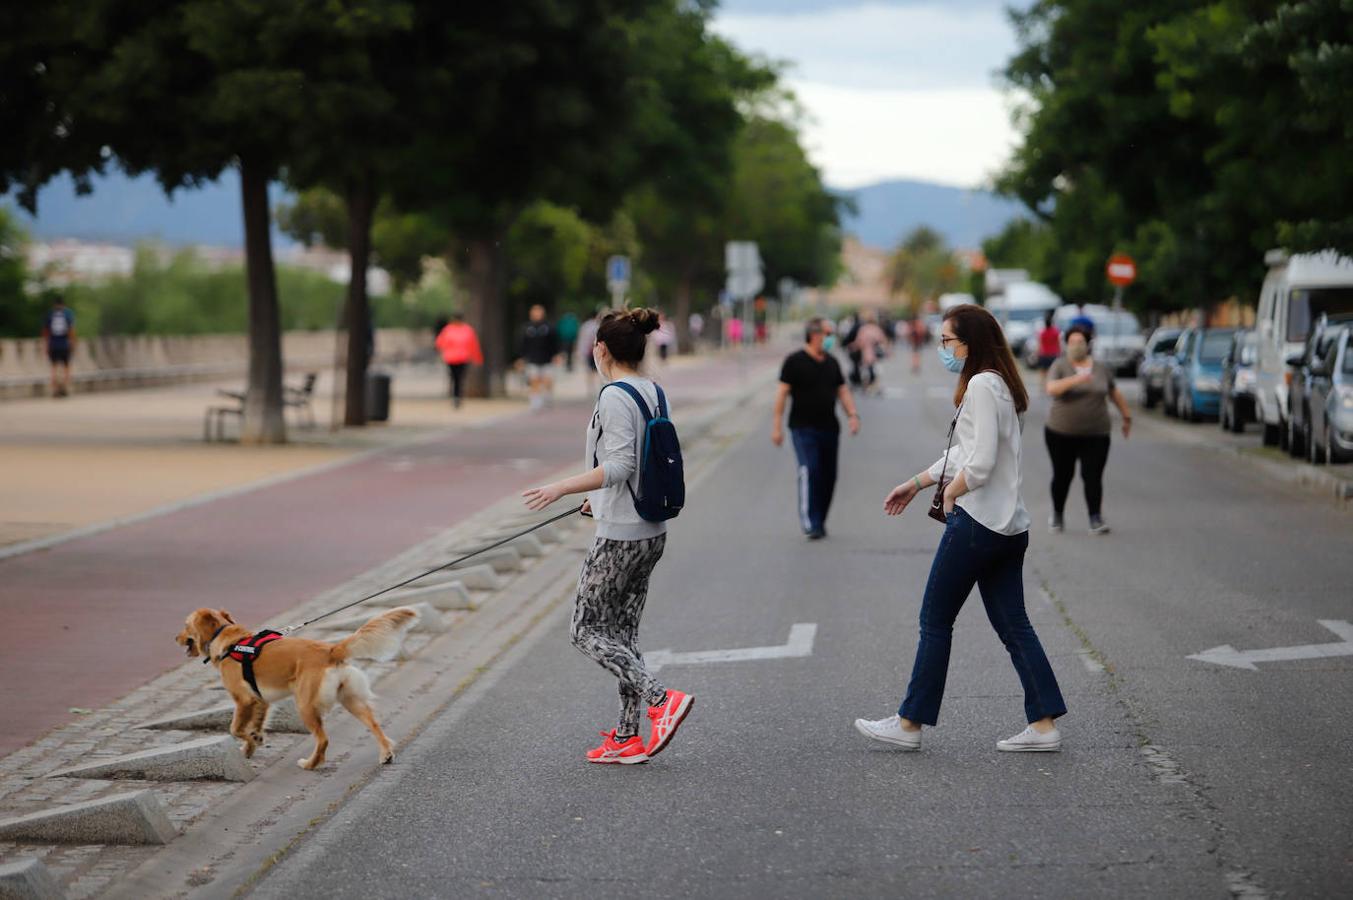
[(816, 452), (971, 554)]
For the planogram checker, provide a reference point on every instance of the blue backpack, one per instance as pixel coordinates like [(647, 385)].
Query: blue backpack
[(662, 482)]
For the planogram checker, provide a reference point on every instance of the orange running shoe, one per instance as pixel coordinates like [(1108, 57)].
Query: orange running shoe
[(666, 718), (625, 752)]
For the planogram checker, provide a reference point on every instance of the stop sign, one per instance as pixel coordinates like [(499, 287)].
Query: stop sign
[(1122, 270)]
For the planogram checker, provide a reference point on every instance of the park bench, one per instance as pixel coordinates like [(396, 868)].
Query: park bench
[(297, 398)]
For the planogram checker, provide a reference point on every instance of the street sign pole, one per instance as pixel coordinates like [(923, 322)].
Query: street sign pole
[(1122, 271), (618, 279)]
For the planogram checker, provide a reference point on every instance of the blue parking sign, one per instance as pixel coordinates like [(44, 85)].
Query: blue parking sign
[(618, 270)]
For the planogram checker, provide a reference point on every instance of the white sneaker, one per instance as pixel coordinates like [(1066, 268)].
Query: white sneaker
[(889, 731), (1031, 741)]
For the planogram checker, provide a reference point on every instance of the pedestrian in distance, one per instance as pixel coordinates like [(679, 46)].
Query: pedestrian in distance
[(613, 585), (1082, 319), (459, 346), (537, 354), (869, 342), (664, 338), (986, 533), (1049, 347), (811, 380), (1078, 426), (58, 334), (917, 335), (568, 328), (587, 339)]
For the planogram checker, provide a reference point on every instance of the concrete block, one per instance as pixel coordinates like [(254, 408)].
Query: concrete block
[(528, 545), (476, 578), (281, 718), (503, 559), (28, 879), (429, 618), (213, 758), (433, 593), (136, 817)]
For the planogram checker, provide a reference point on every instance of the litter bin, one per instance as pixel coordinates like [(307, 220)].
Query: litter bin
[(377, 397)]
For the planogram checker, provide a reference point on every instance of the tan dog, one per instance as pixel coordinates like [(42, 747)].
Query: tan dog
[(316, 673)]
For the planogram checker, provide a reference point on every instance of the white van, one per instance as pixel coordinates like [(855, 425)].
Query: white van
[(1297, 290), (1020, 309)]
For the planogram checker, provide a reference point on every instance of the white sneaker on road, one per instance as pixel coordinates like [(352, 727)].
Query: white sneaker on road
[(1031, 741), (890, 731)]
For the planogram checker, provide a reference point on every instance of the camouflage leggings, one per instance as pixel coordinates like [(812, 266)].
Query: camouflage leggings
[(611, 593)]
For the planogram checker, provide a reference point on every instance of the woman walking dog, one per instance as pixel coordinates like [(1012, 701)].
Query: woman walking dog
[(986, 532), (613, 585)]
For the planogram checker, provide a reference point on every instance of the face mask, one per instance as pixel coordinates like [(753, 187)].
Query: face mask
[(1078, 352), (829, 342), (951, 362)]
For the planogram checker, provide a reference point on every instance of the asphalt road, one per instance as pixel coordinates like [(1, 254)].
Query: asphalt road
[(1179, 778)]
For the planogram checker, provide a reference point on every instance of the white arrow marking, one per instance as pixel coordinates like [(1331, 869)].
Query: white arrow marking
[(800, 643), (1226, 655)]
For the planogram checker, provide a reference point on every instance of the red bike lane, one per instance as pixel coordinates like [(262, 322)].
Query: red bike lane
[(86, 621)]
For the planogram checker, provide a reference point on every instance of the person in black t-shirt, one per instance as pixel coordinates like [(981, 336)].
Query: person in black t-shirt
[(537, 354), (812, 380)]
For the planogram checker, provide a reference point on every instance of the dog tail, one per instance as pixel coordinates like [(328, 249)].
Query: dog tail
[(378, 639)]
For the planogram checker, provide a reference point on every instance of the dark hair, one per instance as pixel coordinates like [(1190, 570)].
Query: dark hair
[(625, 332), (1048, 317), (813, 326), (987, 351), (1081, 330)]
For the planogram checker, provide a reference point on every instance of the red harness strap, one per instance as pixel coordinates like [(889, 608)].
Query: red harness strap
[(247, 650)]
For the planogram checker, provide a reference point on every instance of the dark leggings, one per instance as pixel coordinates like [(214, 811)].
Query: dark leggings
[(457, 371), (1093, 452)]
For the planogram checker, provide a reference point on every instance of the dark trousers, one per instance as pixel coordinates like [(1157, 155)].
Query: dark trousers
[(1065, 449), (971, 554), (457, 371), (816, 451)]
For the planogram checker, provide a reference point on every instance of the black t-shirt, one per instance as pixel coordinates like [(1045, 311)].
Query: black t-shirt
[(538, 343), (813, 387)]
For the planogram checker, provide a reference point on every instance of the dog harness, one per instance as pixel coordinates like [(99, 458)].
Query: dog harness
[(246, 651)]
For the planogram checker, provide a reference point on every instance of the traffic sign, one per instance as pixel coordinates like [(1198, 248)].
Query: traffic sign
[(618, 272), (1122, 270), (742, 259)]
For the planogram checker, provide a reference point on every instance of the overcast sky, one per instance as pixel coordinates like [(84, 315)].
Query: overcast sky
[(894, 88)]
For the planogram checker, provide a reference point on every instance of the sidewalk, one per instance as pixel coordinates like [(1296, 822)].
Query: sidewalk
[(90, 618)]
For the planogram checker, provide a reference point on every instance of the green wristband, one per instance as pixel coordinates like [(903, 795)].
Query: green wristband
[(917, 479)]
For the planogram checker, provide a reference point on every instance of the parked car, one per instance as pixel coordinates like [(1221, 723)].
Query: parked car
[(1119, 343), (1296, 291), (1237, 382), (1193, 384), (1329, 416), (1155, 361), (1304, 368)]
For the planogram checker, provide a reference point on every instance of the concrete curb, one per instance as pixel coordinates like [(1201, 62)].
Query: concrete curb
[(282, 718), (502, 559), (479, 578), (214, 758), (28, 879), (133, 818), (442, 595), (430, 620)]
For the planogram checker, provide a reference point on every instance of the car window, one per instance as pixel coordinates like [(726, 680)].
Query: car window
[(1305, 305), (1249, 350), (1165, 344), (1348, 355), (1215, 345)]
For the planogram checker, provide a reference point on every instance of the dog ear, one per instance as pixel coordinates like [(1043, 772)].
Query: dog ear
[(226, 616)]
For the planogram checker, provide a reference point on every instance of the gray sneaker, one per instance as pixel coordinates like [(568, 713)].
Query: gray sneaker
[(1098, 525), (1055, 524)]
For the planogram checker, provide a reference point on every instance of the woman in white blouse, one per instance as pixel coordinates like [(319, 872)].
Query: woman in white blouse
[(986, 533)]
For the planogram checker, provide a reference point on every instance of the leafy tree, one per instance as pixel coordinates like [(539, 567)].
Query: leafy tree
[(20, 313), (923, 267)]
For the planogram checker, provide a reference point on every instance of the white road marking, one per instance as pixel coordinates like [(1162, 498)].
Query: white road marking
[(800, 644), (1226, 655), (1088, 660)]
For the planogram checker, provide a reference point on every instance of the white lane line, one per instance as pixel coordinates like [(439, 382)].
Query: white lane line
[(1088, 660), (800, 644), (1226, 655)]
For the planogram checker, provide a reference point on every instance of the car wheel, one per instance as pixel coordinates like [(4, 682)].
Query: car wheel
[(1237, 420), (1293, 442), (1222, 418), (1333, 455), (1272, 435), (1186, 410), (1148, 398), (1314, 452)]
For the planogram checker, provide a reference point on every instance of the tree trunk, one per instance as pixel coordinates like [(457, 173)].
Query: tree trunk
[(361, 207), (682, 315), (487, 314), (263, 420)]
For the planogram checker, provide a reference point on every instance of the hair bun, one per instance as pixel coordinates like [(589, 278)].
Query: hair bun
[(646, 320)]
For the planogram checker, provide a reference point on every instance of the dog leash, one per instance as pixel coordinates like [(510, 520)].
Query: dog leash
[(507, 540)]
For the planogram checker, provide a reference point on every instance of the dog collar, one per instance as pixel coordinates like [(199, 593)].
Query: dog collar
[(206, 651)]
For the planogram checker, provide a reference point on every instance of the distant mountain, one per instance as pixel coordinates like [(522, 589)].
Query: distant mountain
[(124, 210), (889, 210)]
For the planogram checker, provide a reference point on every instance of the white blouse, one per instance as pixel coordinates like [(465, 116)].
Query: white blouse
[(987, 448)]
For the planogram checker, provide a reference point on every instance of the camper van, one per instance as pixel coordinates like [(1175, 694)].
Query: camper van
[(1020, 310), (1296, 292)]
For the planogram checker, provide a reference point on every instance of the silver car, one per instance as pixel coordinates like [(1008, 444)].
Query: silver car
[(1155, 364)]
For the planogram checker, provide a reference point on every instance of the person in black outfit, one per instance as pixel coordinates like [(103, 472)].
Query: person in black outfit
[(538, 352), (812, 378)]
